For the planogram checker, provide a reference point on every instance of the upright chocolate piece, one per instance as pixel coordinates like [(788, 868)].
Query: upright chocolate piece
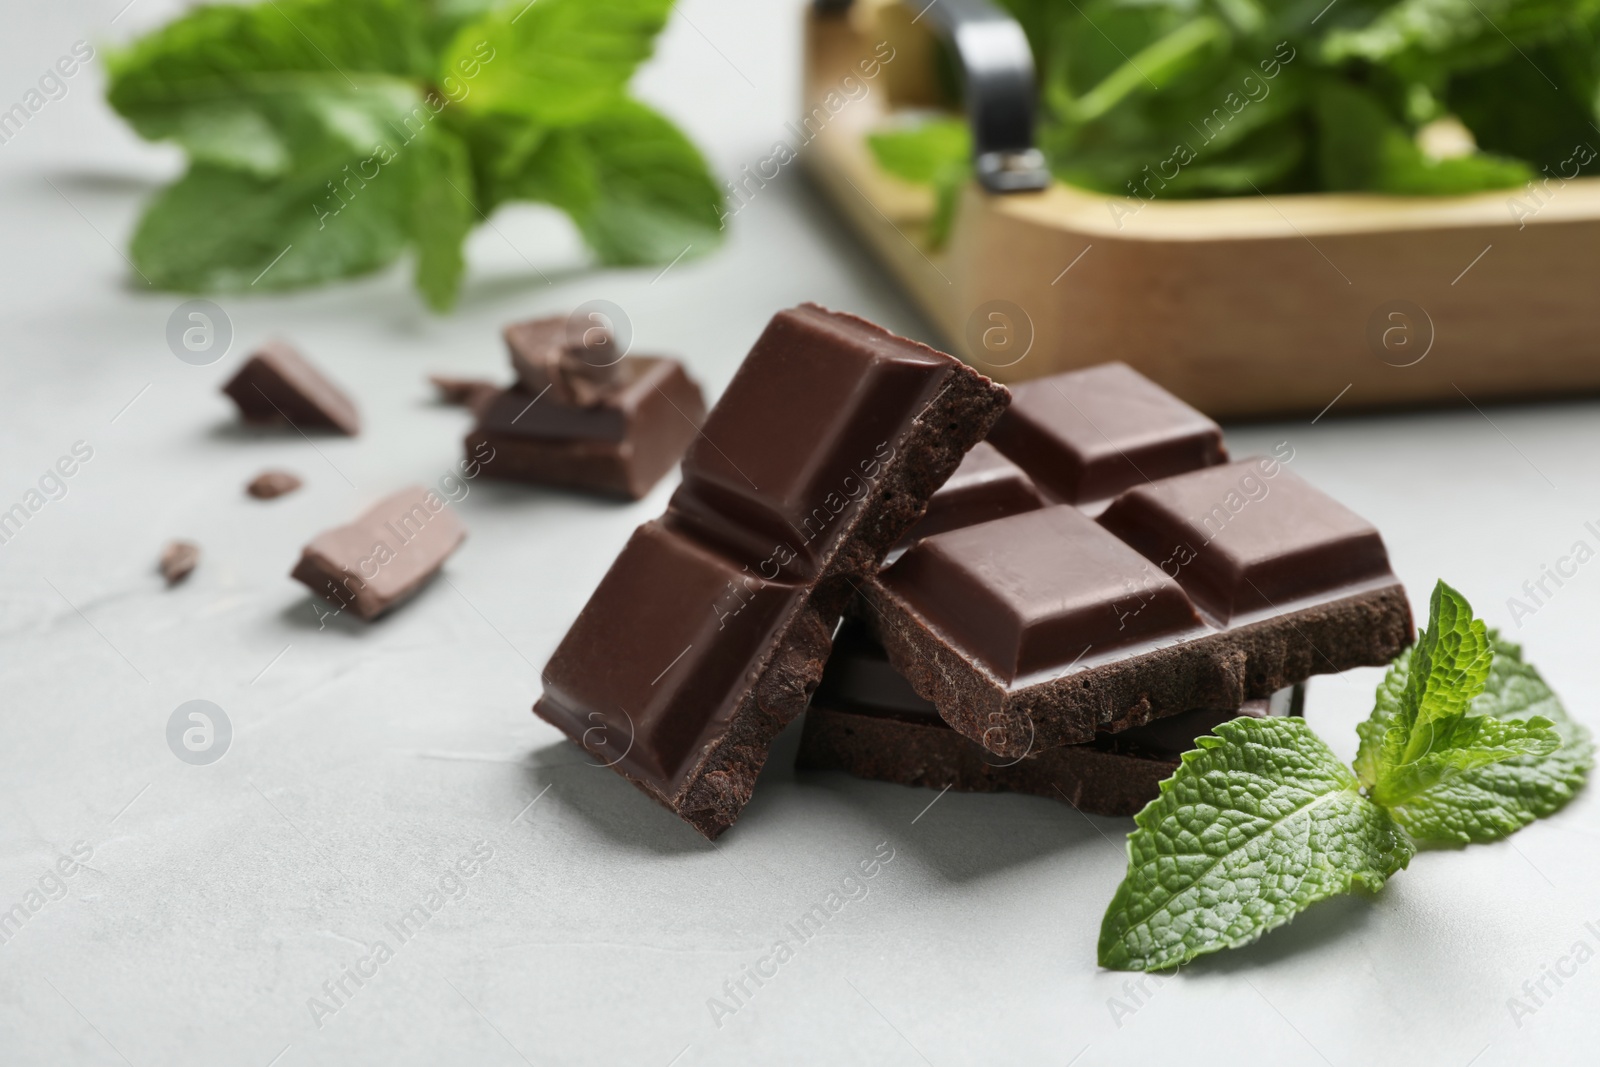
[(711, 628), (622, 445), (1087, 435), (382, 558), (577, 363), (866, 720), (1044, 628), (986, 486), (277, 385)]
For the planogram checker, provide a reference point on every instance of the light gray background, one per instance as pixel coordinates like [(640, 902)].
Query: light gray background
[(367, 759)]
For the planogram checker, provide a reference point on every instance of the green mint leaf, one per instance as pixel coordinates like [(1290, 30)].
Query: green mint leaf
[(937, 153), (556, 62), (1421, 734), (1258, 823), (637, 189), (442, 214), (218, 229), (245, 86), (1495, 800)]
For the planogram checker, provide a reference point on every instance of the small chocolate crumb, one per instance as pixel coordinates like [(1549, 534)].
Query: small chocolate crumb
[(178, 559), (270, 484), (474, 394)]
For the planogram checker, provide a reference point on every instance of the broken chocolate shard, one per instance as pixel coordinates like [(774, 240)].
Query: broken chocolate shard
[(474, 394), (178, 560), (1044, 628), (1086, 435), (867, 721), (710, 630), (385, 556), (622, 446), (578, 364), (277, 385), (269, 485)]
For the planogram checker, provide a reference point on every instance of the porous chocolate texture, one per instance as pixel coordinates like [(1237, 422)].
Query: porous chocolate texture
[(710, 631), (1199, 591), (277, 385), (867, 721), (621, 445)]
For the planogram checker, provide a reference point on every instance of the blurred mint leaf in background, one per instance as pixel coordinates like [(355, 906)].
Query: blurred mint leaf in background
[(1165, 99), (326, 138)]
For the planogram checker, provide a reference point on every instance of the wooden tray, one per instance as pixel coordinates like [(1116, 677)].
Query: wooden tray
[(1242, 306)]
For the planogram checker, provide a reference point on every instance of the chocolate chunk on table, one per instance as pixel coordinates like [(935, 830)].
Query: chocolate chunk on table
[(710, 630), (269, 485), (1086, 435), (474, 394), (578, 363), (1044, 628), (277, 385), (385, 556), (866, 720), (623, 444), (178, 560)]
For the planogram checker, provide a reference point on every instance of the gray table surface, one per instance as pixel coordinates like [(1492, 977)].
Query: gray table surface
[(214, 902)]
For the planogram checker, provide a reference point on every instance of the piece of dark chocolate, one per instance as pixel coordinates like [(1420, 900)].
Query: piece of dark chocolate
[(986, 486), (866, 720), (710, 630), (268, 485), (474, 394), (1086, 435), (577, 363), (178, 560), (1044, 628), (277, 385), (385, 556), (622, 445)]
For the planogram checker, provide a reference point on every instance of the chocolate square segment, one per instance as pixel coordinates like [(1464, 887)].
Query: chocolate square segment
[(986, 486), (802, 433), (1039, 590), (1087, 435), (660, 654), (1250, 537)]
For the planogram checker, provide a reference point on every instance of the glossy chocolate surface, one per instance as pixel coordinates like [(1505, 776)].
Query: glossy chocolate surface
[(1086, 435), (1039, 590), (1249, 537)]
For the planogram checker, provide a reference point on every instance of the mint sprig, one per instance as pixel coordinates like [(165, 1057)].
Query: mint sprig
[(328, 137), (1466, 743)]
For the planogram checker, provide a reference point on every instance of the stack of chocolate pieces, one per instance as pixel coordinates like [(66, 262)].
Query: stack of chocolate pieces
[(710, 631), (1097, 575), (1077, 644), (583, 414)]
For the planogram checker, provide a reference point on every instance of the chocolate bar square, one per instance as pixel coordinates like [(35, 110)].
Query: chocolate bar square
[(1086, 435), (622, 445), (277, 385)]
